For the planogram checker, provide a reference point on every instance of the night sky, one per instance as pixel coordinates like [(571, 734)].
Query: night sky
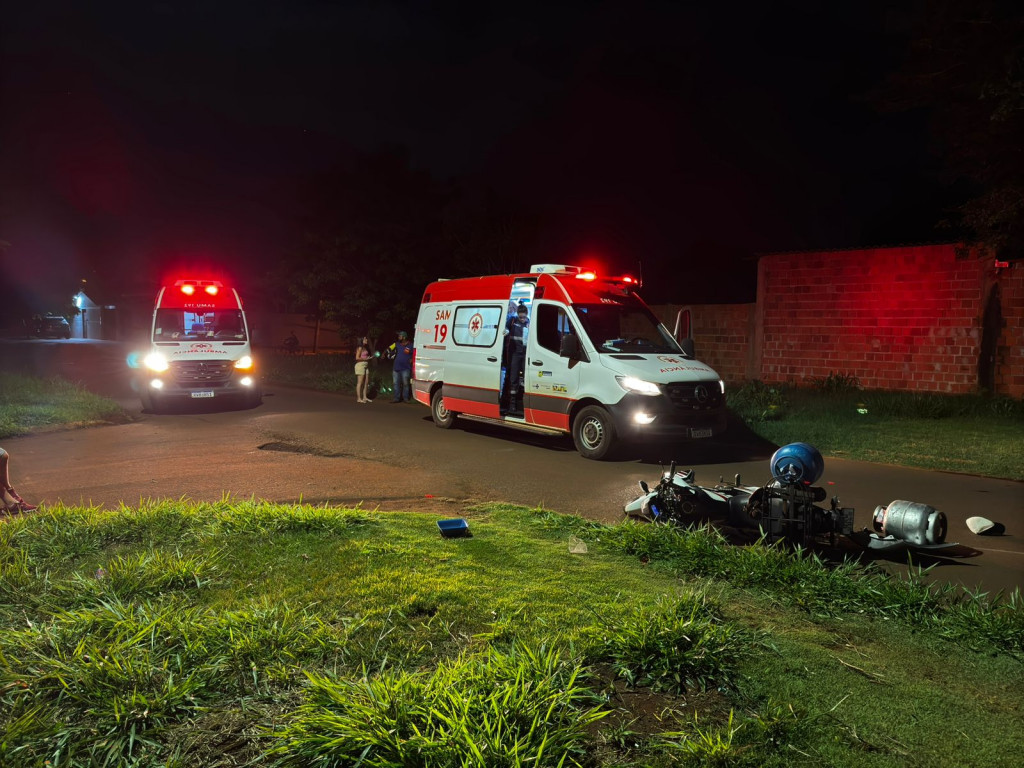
[(680, 137)]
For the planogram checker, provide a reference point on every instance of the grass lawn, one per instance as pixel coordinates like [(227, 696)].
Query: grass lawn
[(253, 634), (974, 434)]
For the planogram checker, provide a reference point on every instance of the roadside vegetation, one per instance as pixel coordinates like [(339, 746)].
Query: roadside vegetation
[(239, 632), (974, 434), (29, 404)]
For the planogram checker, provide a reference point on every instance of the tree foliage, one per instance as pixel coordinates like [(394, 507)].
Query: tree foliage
[(966, 66), (377, 232)]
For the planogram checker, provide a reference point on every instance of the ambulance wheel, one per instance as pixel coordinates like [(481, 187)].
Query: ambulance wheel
[(593, 433), (443, 418)]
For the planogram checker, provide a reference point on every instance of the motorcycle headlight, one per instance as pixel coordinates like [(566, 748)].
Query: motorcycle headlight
[(637, 386), (244, 363), (156, 362)]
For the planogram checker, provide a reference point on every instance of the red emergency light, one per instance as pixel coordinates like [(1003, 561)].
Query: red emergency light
[(189, 288), (586, 276)]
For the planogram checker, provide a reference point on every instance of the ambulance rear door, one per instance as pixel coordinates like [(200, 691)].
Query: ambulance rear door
[(551, 381)]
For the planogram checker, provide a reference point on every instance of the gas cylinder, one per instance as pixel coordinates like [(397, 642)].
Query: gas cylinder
[(918, 524), (797, 463)]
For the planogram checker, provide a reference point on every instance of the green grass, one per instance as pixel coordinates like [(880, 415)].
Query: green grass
[(179, 634), (973, 434), (29, 404)]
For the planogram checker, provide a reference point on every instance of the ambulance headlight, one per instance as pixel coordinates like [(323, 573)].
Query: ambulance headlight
[(721, 385), (156, 362), (637, 386), (244, 363)]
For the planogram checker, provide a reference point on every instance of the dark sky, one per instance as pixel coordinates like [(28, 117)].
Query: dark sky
[(686, 137)]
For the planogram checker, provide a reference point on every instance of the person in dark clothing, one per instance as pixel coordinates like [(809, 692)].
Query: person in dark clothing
[(511, 401), (401, 353)]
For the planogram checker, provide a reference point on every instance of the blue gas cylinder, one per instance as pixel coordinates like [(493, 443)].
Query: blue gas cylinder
[(797, 463)]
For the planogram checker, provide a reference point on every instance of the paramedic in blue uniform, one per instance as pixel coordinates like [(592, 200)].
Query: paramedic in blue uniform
[(401, 353), (511, 402)]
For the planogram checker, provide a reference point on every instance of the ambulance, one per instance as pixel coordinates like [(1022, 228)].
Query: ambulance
[(199, 348), (599, 366)]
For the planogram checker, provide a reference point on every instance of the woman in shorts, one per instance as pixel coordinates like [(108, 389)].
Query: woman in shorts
[(363, 355)]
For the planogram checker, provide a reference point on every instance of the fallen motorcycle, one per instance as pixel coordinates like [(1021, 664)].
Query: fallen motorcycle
[(787, 506)]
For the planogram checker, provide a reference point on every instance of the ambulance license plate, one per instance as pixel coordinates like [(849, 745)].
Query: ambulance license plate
[(203, 393), (700, 433)]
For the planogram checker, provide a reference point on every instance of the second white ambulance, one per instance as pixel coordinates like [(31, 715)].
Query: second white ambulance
[(199, 347), (599, 365)]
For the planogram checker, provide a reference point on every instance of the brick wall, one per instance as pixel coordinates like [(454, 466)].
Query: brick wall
[(910, 318), (722, 336), (896, 318), (1009, 378)]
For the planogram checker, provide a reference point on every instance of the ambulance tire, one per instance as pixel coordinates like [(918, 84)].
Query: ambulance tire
[(594, 433), (443, 418)]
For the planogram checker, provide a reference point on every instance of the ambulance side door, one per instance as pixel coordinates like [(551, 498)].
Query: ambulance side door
[(552, 381), (473, 354)]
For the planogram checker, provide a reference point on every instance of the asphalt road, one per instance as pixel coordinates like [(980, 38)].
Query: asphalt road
[(324, 448)]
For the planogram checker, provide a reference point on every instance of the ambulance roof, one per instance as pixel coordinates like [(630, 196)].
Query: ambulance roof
[(554, 281)]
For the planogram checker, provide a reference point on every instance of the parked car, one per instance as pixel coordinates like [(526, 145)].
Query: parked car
[(49, 327)]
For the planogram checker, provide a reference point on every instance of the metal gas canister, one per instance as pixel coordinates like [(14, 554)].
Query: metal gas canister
[(915, 523)]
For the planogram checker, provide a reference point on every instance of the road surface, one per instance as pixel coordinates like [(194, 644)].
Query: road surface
[(322, 448)]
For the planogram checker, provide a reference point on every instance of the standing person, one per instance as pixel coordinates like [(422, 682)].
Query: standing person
[(401, 353), (363, 355), (11, 500), (511, 400)]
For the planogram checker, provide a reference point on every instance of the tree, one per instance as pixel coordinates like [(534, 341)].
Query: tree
[(373, 241), (966, 66)]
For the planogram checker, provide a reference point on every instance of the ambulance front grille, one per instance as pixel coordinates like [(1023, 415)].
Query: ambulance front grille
[(694, 396), (212, 372)]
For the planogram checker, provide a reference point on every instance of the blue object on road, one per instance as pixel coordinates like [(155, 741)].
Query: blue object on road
[(797, 463)]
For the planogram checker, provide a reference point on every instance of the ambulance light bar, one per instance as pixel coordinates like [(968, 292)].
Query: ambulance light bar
[(580, 274), (189, 287), (555, 269)]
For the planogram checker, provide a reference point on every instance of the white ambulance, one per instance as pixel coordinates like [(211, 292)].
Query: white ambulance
[(199, 347), (598, 364)]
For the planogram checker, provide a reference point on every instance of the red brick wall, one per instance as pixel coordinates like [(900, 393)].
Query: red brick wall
[(1010, 351), (896, 318), (722, 336)]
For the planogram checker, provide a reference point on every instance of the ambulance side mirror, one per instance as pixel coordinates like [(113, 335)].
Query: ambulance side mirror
[(570, 347), (687, 345)]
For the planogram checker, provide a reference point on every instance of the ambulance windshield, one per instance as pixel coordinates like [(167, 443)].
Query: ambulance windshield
[(192, 325), (620, 328)]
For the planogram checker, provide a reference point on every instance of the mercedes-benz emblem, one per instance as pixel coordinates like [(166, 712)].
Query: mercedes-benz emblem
[(701, 393)]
